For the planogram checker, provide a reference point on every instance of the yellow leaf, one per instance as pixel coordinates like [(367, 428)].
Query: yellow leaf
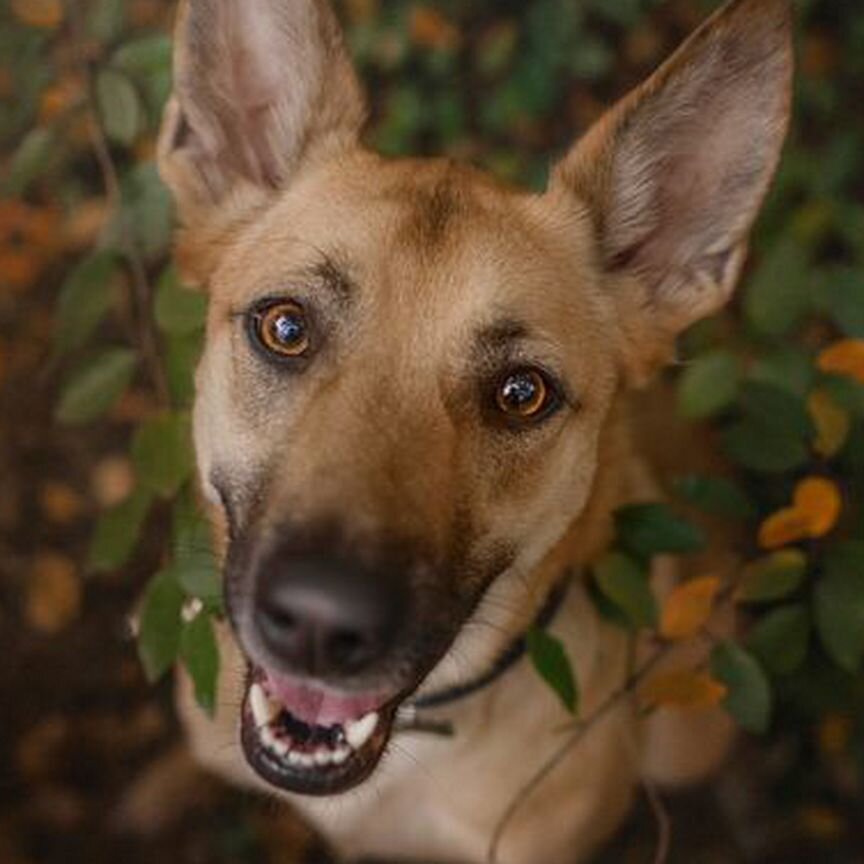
[(819, 498), (683, 688), (688, 607), (845, 357), (814, 513), (39, 13), (831, 420), (786, 526)]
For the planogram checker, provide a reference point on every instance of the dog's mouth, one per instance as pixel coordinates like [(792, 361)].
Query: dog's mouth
[(305, 739)]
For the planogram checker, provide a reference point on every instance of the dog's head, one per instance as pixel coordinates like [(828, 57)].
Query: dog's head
[(410, 369)]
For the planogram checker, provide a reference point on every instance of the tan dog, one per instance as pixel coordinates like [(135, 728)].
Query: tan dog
[(412, 420)]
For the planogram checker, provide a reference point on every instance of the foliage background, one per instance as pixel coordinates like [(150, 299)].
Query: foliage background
[(97, 345)]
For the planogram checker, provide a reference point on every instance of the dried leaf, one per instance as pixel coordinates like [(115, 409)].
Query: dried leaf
[(688, 607), (845, 357), (832, 423), (684, 688), (39, 13), (820, 499)]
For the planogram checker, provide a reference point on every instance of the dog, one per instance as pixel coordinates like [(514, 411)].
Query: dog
[(413, 424)]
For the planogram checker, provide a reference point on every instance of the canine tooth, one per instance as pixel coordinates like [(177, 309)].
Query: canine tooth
[(263, 710), (359, 732), (268, 739), (281, 747)]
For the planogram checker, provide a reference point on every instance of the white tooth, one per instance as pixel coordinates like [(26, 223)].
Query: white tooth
[(268, 739), (281, 747), (294, 757), (306, 760), (340, 755), (359, 732), (323, 757), (263, 710)]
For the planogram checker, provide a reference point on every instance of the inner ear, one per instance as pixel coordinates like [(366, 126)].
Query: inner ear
[(674, 175), (260, 86)]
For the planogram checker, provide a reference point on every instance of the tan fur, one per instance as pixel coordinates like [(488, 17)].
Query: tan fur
[(416, 269)]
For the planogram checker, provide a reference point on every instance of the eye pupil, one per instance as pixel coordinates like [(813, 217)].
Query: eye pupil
[(282, 329), (524, 394), (519, 390), (288, 329)]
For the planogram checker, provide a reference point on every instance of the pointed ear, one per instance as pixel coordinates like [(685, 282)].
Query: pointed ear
[(674, 175), (259, 87)]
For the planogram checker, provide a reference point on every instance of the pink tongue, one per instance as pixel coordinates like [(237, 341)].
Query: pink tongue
[(317, 706)]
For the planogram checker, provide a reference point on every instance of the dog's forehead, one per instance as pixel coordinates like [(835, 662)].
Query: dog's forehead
[(422, 236)]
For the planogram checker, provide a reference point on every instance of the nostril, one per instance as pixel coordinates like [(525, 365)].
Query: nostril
[(349, 648), (284, 619)]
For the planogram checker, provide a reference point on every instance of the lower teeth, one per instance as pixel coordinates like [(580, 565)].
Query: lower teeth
[(349, 739)]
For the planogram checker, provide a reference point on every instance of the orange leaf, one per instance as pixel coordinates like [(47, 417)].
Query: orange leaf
[(39, 13), (784, 527), (831, 420), (688, 607), (819, 499), (431, 29), (683, 688), (845, 357)]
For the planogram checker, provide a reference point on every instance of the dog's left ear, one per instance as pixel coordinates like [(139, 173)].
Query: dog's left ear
[(674, 175), (260, 88)]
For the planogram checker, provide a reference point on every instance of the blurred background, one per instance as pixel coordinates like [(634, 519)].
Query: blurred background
[(98, 341)]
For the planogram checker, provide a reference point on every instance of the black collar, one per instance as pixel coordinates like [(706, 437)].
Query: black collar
[(512, 655)]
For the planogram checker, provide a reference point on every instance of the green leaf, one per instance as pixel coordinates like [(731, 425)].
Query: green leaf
[(94, 389), (84, 300), (839, 606), (778, 295), (178, 310), (772, 407), (194, 560), (781, 639), (117, 532), (716, 496), (653, 529), (843, 296), (162, 453), (181, 359), (764, 448), (200, 655), (552, 664), (119, 106), (160, 625), (773, 577), (106, 19), (623, 582), (147, 211), (143, 57), (749, 697), (788, 368), (31, 160), (708, 385)]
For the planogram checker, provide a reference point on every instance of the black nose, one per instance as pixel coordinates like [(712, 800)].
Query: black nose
[(324, 617)]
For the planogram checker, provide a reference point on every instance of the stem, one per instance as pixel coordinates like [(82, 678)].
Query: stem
[(141, 289)]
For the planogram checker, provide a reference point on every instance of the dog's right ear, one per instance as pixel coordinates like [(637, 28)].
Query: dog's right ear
[(260, 86)]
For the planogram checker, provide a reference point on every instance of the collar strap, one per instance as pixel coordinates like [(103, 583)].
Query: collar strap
[(511, 656)]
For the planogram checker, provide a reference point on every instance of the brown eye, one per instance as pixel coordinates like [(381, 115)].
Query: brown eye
[(282, 329), (525, 394)]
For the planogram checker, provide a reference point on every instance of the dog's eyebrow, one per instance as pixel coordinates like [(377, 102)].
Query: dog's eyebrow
[(332, 276), (500, 337)]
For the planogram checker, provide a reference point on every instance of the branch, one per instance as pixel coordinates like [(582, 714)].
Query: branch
[(142, 291), (581, 729)]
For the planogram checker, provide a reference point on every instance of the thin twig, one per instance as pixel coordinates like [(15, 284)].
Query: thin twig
[(578, 733), (661, 817), (142, 291), (582, 728)]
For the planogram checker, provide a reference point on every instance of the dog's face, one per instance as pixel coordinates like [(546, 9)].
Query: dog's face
[(409, 368)]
